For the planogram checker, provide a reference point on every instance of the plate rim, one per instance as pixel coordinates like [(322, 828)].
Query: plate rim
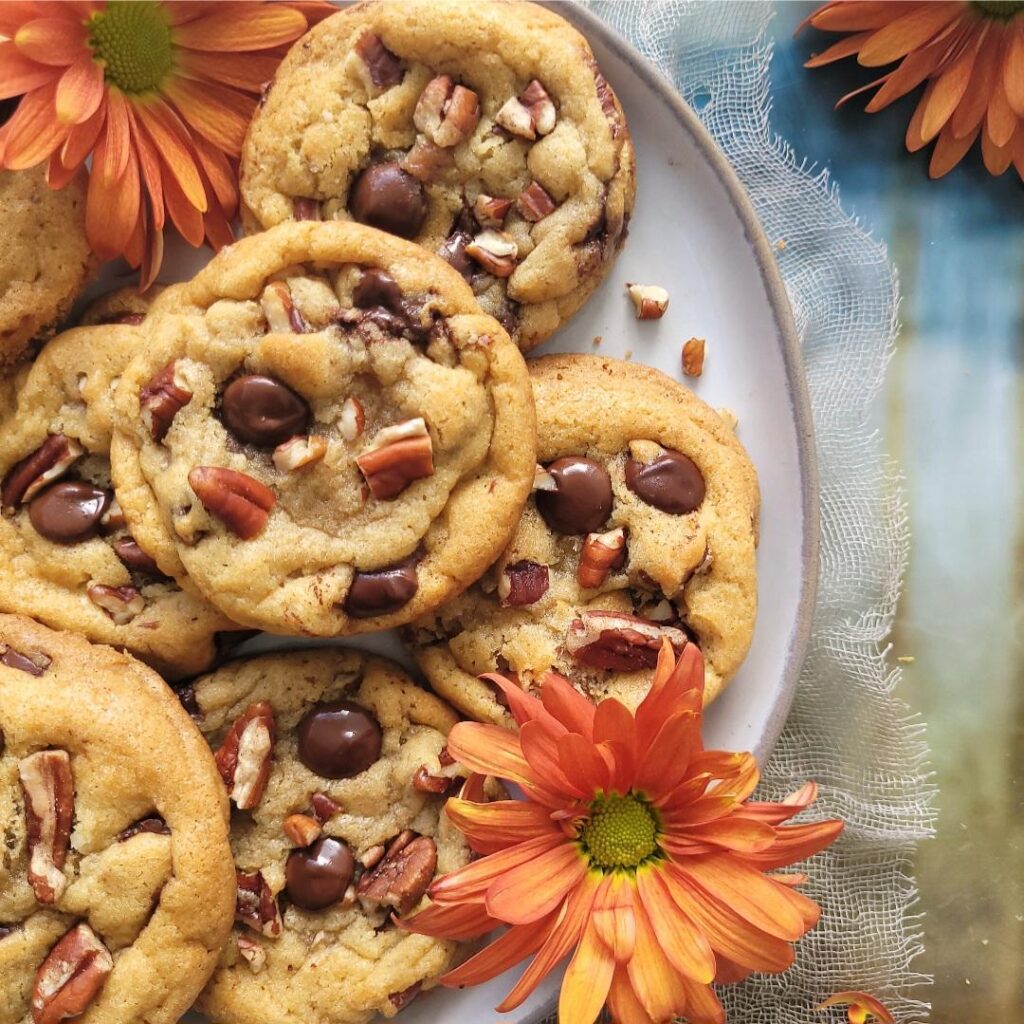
[(590, 25)]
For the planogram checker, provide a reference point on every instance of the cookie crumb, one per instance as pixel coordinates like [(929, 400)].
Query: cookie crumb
[(693, 357), (780, 245), (628, 354), (597, 340)]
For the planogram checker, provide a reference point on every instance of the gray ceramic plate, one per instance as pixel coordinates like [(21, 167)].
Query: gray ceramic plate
[(695, 233)]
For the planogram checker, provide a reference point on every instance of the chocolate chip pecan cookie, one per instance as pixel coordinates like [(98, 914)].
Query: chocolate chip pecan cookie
[(116, 885), (483, 131), (642, 526), (66, 556), (45, 260), (328, 431), (336, 767)]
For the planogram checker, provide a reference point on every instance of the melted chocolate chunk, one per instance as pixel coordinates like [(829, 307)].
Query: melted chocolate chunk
[(339, 739), (318, 876), (68, 511), (263, 411), (453, 250), (377, 288), (382, 591), (5, 930), (582, 499), (386, 197), (23, 663), (155, 825), (135, 558), (187, 698), (671, 483)]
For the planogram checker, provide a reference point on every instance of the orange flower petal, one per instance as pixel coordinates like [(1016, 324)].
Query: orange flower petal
[(855, 15), (777, 813), (623, 1003), (15, 13), (860, 1005), (248, 71), (728, 973), (702, 1005), (971, 109), (794, 843), (540, 748), (1013, 66), (136, 244), (170, 139), (472, 881), (117, 136), (57, 175), (185, 217), (913, 139), (1000, 121), (465, 921), (678, 685), (506, 951), (837, 51), (490, 750), (913, 70), (529, 891), (586, 983), (217, 228), (565, 703), (908, 32), (684, 944), (569, 925), (80, 91), (32, 133), (668, 759), (224, 31), (949, 89), (149, 165), (613, 721), (997, 158), (55, 41), (584, 761), (216, 112), (18, 74), (652, 976), (734, 834), (612, 916), (82, 138), (494, 826), (111, 210)]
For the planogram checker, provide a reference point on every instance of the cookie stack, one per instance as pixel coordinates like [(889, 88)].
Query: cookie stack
[(332, 430)]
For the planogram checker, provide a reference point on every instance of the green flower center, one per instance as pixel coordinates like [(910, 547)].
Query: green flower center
[(621, 832), (132, 40), (1003, 9)]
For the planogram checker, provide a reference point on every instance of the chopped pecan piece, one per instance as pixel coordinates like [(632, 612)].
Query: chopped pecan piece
[(243, 759), (693, 357), (70, 977), (523, 583), (543, 480), (426, 161), (113, 518), (353, 419), (240, 502), (299, 452), (305, 209), (324, 808), (252, 953), (396, 457), (301, 829), (516, 119), (402, 876), (622, 643), (542, 108), (255, 905), (491, 211), (446, 113), (427, 783), (122, 604), (378, 67), (650, 300), (495, 251), (154, 826), (279, 308), (601, 553), (162, 399), (49, 792), (400, 1000), (607, 100), (535, 203), (35, 663), (25, 479)]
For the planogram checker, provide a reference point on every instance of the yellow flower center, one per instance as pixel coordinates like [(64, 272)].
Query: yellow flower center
[(621, 832), (1004, 9), (132, 40)]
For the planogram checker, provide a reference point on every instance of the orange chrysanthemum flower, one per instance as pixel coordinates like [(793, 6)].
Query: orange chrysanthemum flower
[(971, 57), (159, 94), (636, 850), (860, 1006)]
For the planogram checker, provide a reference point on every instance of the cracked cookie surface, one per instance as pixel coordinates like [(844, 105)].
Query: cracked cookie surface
[(324, 432), (45, 261), (482, 131), (116, 866), (66, 555), (642, 525), (336, 767)]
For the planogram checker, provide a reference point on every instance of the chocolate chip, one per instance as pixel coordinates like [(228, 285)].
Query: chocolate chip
[(68, 511), (319, 875), (339, 739), (263, 411), (33, 666), (377, 288), (453, 250), (582, 498), (671, 483), (383, 591), (135, 558), (187, 698), (383, 66), (385, 197), (155, 825)]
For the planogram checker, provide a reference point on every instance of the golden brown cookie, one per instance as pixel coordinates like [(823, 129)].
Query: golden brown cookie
[(116, 885), (483, 131), (336, 765), (66, 556), (121, 306), (45, 260), (642, 525), (324, 431)]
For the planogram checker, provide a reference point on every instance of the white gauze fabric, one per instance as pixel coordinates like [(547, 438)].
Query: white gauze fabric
[(847, 730)]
